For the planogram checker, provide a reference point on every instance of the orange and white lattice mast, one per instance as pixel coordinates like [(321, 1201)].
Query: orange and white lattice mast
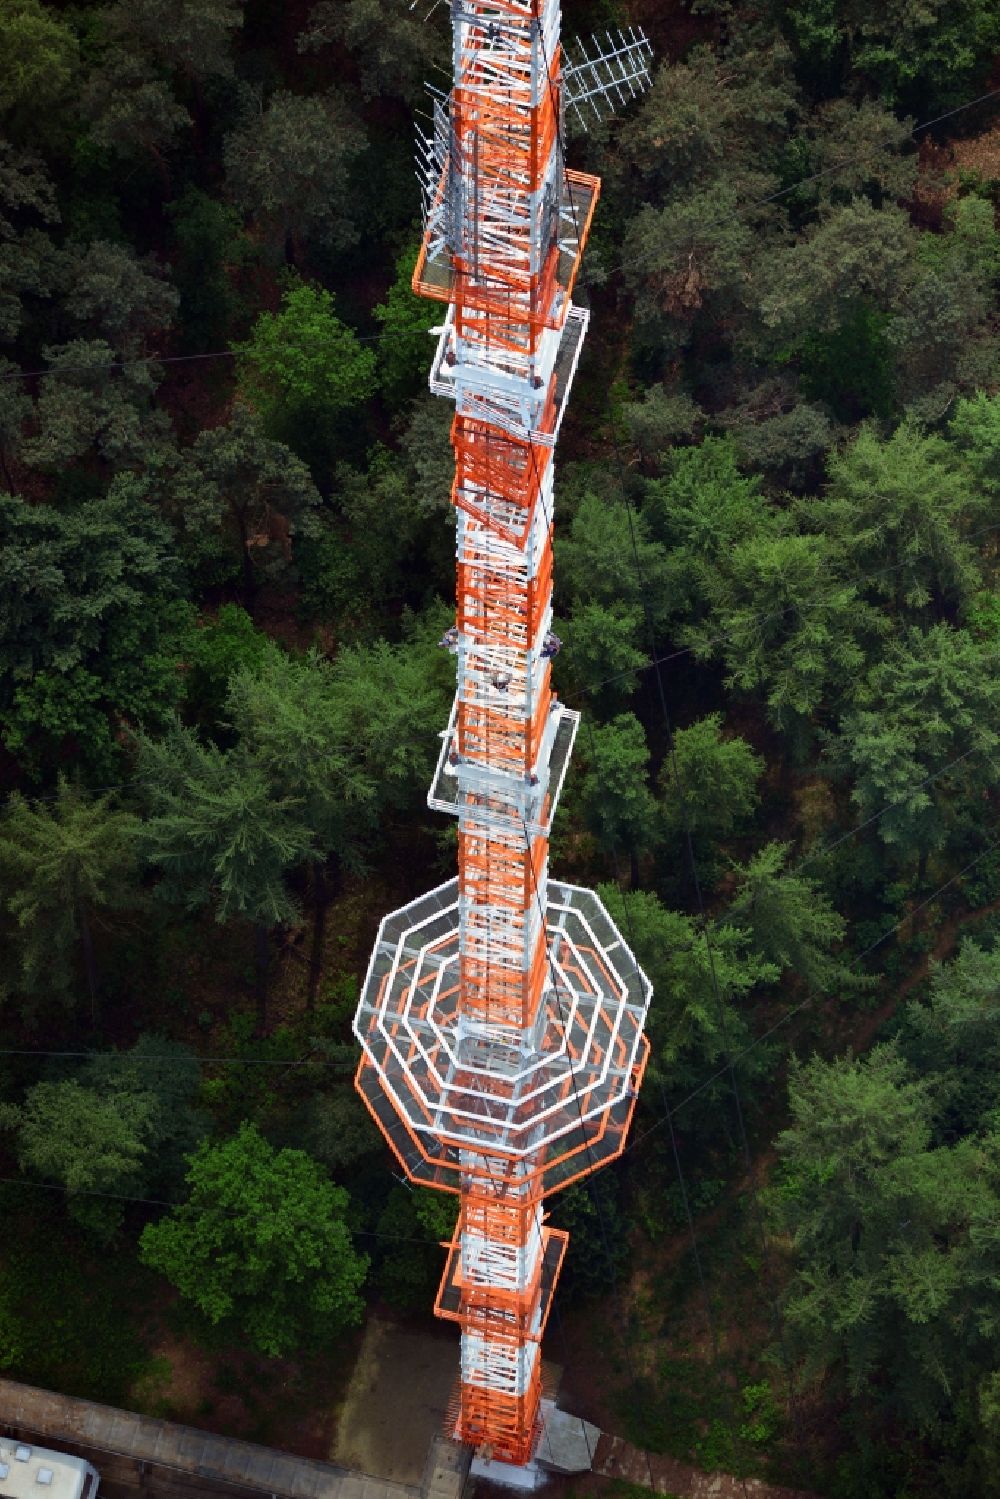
[(502, 1015)]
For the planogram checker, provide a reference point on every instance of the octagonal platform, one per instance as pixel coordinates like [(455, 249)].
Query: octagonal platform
[(546, 1107)]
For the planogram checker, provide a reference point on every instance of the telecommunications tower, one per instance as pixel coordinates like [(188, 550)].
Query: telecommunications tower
[(501, 1020)]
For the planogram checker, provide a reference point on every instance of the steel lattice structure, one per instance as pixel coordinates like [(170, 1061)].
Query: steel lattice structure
[(501, 1019)]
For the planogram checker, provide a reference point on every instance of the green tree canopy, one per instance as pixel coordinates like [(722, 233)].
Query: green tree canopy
[(90, 622), (975, 428), (953, 1038), (712, 115), (65, 864), (192, 36), (168, 1075), (932, 700), (304, 362), (290, 715), (596, 562), (261, 1245), (849, 148), (854, 254), (15, 408), (239, 501), (891, 1295), (216, 829), (709, 783), (211, 248), (617, 803), (783, 624), (27, 203), (933, 52), (38, 55), (698, 1019), (604, 652), (88, 402), (121, 1127), (396, 50), (86, 1142), (214, 652), (116, 295), (405, 349), (705, 503), (222, 834), (791, 921), (287, 168), (897, 510)]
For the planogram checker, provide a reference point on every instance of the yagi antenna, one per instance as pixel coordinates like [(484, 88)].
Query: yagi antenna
[(607, 73), (598, 78)]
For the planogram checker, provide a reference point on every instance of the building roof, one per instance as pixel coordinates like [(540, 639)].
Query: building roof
[(28, 1472)]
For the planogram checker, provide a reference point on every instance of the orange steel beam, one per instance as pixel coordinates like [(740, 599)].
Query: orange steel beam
[(503, 1045)]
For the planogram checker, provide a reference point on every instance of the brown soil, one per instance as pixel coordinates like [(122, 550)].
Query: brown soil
[(280, 1403), (396, 1401)]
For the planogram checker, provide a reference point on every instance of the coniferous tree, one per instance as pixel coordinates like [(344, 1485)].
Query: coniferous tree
[(65, 864), (222, 835)]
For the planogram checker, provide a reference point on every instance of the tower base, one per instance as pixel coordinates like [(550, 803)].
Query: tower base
[(566, 1445), (525, 1478)]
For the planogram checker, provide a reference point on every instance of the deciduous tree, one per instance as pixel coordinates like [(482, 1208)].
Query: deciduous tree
[(90, 623), (38, 56), (239, 500), (287, 168), (87, 1142), (855, 254), (934, 53), (116, 295), (405, 349), (120, 1127), (397, 50), (131, 111), (303, 362), (195, 37), (89, 401), (27, 202), (261, 1246)]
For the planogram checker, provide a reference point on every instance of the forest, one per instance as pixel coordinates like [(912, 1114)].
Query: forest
[(226, 561)]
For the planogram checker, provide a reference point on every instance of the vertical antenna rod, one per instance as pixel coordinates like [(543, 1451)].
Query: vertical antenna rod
[(501, 1019)]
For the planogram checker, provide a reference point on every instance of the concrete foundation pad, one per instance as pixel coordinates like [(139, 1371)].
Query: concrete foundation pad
[(567, 1443), (527, 1478)]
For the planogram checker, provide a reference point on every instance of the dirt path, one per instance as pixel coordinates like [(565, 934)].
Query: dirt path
[(943, 946), (616, 1458)]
